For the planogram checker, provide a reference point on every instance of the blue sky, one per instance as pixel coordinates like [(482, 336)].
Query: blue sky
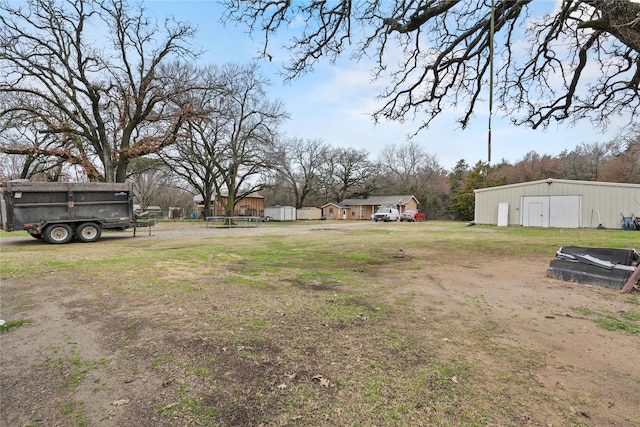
[(335, 101)]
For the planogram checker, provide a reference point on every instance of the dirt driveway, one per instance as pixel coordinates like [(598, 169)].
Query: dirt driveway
[(91, 354)]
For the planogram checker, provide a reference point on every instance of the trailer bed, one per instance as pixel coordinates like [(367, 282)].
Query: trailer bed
[(82, 209)]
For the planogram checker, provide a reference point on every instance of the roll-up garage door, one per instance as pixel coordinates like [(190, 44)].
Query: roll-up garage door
[(551, 211)]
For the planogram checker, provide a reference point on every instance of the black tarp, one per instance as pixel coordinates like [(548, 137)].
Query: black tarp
[(575, 271), (604, 267), (614, 256)]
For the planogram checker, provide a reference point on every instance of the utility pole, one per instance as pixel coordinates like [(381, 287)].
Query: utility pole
[(491, 34)]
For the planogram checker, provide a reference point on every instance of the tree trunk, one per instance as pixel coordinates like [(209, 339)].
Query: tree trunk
[(620, 18)]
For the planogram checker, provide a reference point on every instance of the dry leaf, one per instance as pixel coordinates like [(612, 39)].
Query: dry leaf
[(323, 381), (120, 402), (292, 376), (282, 386), (454, 380)]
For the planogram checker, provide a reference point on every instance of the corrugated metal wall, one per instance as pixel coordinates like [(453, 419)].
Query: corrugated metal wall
[(601, 202)]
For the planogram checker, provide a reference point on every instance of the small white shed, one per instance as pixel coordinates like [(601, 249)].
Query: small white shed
[(280, 213)]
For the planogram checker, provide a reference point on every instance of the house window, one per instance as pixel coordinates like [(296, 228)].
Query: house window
[(361, 211), (330, 212), (353, 211)]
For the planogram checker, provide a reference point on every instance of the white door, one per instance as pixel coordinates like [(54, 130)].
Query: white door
[(535, 214), (535, 211), (565, 211), (503, 214), (288, 213)]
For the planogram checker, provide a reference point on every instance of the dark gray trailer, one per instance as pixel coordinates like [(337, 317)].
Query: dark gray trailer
[(59, 211)]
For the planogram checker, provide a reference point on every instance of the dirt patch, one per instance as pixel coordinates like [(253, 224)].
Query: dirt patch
[(231, 355)]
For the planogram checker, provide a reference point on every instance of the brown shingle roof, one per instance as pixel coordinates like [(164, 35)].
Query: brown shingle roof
[(378, 201)]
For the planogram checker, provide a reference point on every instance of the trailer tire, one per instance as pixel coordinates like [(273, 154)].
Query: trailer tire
[(58, 233), (88, 232)]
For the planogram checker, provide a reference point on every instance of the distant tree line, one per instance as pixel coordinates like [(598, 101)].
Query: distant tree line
[(312, 173)]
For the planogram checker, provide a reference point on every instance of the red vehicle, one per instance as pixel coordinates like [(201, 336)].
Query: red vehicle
[(412, 216)]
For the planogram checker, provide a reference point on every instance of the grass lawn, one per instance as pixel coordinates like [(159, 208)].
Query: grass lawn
[(310, 324)]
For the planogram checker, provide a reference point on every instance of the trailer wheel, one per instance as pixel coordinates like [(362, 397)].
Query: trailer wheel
[(58, 233), (88, 232)]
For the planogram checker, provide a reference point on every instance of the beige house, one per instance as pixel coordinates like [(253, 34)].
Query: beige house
[(363, 209)]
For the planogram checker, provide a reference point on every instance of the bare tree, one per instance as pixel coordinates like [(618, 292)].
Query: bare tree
[(190, 158), (19, 155), (226, 143), (347, 173), (584, 162), (446, 53), (150, 178), (408, 168), (86, 73), (531, 167), (624, 163), (296, 167), (175, 196)]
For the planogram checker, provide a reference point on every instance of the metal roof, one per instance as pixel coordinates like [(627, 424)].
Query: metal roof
[(560, 181)]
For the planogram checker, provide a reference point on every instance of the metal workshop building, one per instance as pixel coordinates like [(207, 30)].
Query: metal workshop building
[(557, 203)]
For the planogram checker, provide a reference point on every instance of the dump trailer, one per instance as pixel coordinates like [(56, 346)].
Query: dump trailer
[(59, 211)]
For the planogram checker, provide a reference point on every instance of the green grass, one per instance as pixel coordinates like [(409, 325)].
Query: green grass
[(268, 254), (71, 370), (633, 300), (75, 412), (631, 315), (584, 311), (625, 321), (14, 324), (243, 325), (199, 408), (611, 323)]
